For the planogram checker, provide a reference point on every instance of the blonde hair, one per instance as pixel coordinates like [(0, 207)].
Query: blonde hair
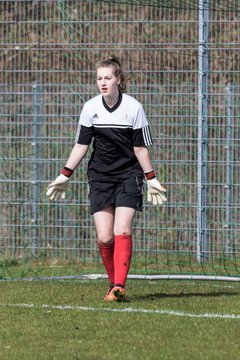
[(114, 62)]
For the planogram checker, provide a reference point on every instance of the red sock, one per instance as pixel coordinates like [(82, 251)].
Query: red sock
[(106, 252), (122, 257)]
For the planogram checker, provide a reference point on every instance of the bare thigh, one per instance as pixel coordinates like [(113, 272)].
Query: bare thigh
[(104, 222), (123, 220), (110, 222)]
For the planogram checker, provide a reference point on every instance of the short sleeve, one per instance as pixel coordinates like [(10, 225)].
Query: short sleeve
[(140, 118), (141, 131), (142, 137), (85, 129)]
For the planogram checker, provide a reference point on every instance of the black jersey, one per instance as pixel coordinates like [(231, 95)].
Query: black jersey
[(115, 131)]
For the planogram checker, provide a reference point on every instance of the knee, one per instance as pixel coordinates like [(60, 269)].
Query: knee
[(105, 238), (122, 230)]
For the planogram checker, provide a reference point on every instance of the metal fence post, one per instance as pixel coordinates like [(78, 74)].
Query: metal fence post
[(36, 169), (202, 235), (229, 246)]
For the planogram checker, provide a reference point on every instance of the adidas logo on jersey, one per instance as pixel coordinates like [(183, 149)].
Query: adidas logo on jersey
[(95, 116)]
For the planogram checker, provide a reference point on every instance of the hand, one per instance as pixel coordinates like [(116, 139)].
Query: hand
[(155, 192), (57, 189)]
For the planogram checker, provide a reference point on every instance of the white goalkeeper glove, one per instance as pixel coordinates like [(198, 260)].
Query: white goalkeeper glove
[(57, 189), (155, 191)]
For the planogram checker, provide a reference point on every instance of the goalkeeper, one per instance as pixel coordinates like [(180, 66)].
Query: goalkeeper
[(119, 163)]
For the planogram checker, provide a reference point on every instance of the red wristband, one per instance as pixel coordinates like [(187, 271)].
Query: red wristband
[(66, 171), (150, 175)]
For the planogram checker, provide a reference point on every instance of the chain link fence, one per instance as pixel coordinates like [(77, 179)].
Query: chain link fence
[(182, 62)]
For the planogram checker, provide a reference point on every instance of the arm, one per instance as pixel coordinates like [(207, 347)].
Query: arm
[(143, 156), (77, 154)]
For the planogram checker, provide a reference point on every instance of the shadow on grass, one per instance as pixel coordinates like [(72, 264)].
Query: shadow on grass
[(182, 295)]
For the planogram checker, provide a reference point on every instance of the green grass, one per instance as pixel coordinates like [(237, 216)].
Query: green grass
[(170, 263), (93, 329)]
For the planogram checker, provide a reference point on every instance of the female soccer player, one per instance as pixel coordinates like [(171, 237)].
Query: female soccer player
[(120, 160)]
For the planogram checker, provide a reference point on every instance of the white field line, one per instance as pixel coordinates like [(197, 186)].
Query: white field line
[(127, 310)]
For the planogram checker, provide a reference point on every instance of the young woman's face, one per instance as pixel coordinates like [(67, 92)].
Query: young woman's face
[(107, 82)]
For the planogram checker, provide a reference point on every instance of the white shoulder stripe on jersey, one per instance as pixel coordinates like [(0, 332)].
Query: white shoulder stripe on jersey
[(78, 132), (147, 135)]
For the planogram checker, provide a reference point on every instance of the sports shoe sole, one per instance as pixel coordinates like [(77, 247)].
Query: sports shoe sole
[(119, 293)]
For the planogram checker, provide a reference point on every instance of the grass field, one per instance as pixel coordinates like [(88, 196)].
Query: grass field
[(67, 320)]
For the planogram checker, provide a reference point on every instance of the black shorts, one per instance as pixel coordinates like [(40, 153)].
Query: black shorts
[(126, 193)]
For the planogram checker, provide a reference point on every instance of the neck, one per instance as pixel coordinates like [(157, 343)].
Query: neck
[(111, 100)]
